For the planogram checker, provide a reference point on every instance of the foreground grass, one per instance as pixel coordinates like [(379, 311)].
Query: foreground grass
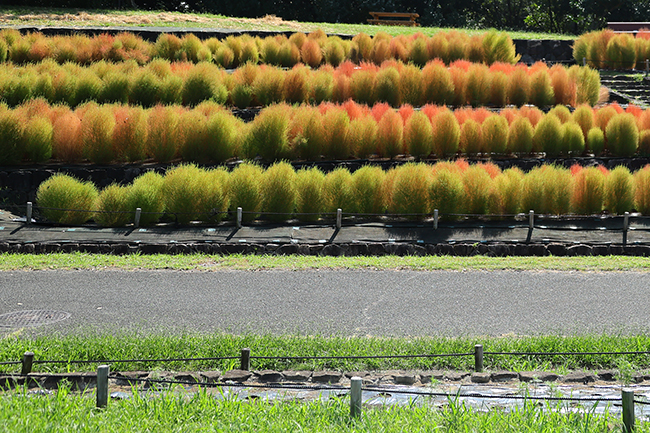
[(201, 262), (203, 412), (25, 16), (124, 346)]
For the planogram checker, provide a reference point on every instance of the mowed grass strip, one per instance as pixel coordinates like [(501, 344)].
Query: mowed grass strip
[(58, 17), (153, 348), (202, 262), (170, 411)]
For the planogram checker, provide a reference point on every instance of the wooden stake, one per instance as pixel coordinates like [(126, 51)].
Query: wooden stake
[(245, 359), (102, 385), (355, 397), (478, 358), (28, 360), (627, 398)]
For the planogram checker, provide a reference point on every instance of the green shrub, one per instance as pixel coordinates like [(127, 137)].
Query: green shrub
[(541, 90), (267, 136), (362, 85), (419, 52), (170, 90), (37, 137), (546, 190), (418, 135), (116, 88), (224, 57), (112, 206), (506, 196), (268, 86), (197, 143), (241, 95), (410, 86), (390, 134), (65, 200), (520, 136), (387, 86), (561, 112), (97, 127), (166, 46), (279, 191), (494, 133), (471, 141), (322, 86), (201, 85), (519, 87), (548, 136), (335, 125), (334, 52), (338, 191), (215, 200), (367, 190), (288, 55), (498, 47), (244, 187), (130, 133), (88, 88), (644, 143), (447, 191), (477, 183), (145, 89), (146, 193), (620, 52), (572, 139), (309, 194), (588, 191), (222, 128), (584, 116), (249, 53), (446, 134), (183, 192), (4, 51), (619, 191), (296, 85), (10, 135), (312, 139), (642, 190), (588, 84), (622, 135), (365, 129), (410, 192), (596, 141), (162, 140), (437, 85), (477, 85)]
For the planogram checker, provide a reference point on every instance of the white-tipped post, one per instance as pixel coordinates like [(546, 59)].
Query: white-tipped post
[(626, 221), (339, 218), (136, 219), (239, 217), (531, 219), (647, 66), (28, 218), (102, 385), (435, 219), (355, 397)]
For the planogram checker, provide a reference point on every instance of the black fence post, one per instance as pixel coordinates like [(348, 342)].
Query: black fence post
[(27, 361), (245, 360)]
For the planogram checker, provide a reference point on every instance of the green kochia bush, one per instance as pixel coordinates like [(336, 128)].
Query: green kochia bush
[(112, 206), (619, 191), (183, 191), (309, 194), (66, 200), (146, 193), (279, 191), (244, 187), (622, 135)]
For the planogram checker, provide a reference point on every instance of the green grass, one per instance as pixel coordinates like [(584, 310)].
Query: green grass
[(122, 345), (21, 16), (175, 412), (201, 262)]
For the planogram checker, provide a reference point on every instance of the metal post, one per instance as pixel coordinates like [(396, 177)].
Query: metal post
[(584, 61), (627, 399), (239, 217), (355, 397), (435, 219), (245, 359), (27, 361), (478, 358), (626, 226), (102, 385), (136, 220), (339, 218), (28, 218), (647, 66), (531, 225)]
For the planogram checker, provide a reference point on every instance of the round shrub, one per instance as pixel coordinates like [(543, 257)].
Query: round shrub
[(619, 191), (279, 191), (97, 127), (644, 143), (367, 189), (244, 187), (162, 140), (66, 200), (37, 136), (112, 206), (387, 86), (596, 141), (146, 193), (309, 194), (588, 191), (410, 192), (338, 191), (215, 200), (418, 135), (572, 139), (130, 133), (548, 136), (268, 134), (182, 192), (477, 184), (446, 134), (471, 140), (541, 90), (622, 135), (494, 133), (222, 130), (506, 192), (520, 136), (390, 134), (642, 190), (447, 191)]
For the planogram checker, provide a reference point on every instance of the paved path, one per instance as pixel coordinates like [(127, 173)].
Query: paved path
[(334, 302)]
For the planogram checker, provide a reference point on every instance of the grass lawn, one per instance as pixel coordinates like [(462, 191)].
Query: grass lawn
[(24, 16), (201, 262)]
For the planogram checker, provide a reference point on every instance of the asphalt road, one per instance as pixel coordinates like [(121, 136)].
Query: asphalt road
[(389, 303)]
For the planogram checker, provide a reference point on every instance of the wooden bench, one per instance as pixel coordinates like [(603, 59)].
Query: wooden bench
[(627, 27), (394, 19)]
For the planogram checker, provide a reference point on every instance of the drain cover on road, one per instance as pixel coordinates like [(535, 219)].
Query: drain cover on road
[(21, 319)]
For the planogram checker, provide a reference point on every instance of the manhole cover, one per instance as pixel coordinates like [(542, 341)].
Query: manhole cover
[(21, 319)]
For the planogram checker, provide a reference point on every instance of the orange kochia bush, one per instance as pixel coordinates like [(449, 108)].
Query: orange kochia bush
[(209, 133), (395, 82)]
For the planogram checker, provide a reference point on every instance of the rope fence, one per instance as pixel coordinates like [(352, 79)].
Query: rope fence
[(432, 219)]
